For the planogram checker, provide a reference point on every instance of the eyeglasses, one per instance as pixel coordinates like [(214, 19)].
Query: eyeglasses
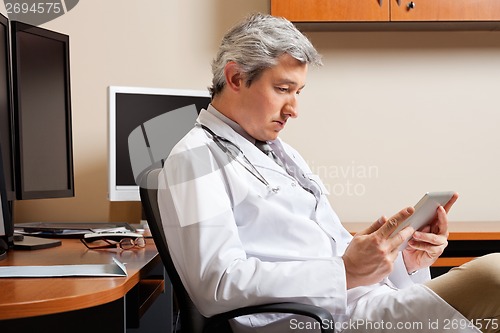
[(124, 243)]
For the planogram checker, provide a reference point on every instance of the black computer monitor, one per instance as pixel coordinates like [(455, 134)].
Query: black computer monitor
[(42, 113), (132, 107), (6, 134), (7, 190)]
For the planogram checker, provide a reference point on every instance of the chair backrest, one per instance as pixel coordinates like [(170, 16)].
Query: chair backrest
[(191, 319)]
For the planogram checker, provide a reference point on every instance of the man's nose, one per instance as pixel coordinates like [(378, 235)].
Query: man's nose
[(291, 108)]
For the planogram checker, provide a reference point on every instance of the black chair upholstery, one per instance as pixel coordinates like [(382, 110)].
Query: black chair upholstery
[(191, 320)]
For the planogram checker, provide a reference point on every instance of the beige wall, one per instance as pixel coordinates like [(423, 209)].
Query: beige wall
[(393, 115), (388, 117)]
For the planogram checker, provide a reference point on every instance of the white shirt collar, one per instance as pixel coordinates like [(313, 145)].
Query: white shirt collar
[(231, 123)]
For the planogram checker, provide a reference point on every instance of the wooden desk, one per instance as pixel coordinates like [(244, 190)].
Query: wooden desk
[(465, 246), (80, 304)]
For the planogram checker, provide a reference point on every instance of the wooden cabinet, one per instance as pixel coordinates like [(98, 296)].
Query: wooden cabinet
[(445, 10), (388, 11), (331, 10)]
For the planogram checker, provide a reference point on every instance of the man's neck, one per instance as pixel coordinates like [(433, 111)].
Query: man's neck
[(231, 123)]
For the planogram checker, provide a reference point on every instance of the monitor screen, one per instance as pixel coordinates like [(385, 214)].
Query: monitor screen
[(130, 111), (6, 135), (42, 114)]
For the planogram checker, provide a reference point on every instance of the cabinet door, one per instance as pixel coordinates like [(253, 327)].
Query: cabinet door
[(331, 10), (445, 10)]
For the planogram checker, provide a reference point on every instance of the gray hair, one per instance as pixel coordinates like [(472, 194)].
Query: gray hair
[(256, 44)]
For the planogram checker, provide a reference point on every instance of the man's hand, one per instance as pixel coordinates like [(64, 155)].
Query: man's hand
[(429, 242), (370, 256)]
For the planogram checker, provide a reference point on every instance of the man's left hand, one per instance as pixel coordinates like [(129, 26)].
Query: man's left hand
[(428, 243)]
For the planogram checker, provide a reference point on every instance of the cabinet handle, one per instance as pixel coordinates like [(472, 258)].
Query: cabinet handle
[(410, 5), (380, 2)]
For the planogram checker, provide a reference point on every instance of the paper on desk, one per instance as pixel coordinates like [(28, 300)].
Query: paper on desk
[(65, 232), (114, 269)]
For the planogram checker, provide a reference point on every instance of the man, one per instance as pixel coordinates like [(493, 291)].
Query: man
[(247, 226)]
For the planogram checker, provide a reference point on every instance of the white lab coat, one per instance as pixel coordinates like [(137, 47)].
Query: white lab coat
[(237, 242)]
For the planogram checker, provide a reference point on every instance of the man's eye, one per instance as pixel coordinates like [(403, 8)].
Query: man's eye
[(282, 89)]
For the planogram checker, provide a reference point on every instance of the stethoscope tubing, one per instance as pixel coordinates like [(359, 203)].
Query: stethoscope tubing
[(220, 141)]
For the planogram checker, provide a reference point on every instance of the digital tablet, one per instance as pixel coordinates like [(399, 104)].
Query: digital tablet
[(425, 211)]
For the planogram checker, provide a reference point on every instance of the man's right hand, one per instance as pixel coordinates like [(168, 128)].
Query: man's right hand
[(370, 256)]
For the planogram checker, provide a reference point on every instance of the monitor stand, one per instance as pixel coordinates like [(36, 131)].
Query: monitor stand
[(3, 254), (34, 243)]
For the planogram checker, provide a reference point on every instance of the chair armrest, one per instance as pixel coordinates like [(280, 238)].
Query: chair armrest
[(317, 313)]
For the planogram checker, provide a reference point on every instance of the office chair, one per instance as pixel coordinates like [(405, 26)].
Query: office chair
[(191, 320)]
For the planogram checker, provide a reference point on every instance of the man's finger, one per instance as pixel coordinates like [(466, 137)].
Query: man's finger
[(400, 237), (392, 223), (374, 226), (440, 225), (450, 203)]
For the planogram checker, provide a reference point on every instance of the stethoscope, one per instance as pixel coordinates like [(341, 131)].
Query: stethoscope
[(234, 152)]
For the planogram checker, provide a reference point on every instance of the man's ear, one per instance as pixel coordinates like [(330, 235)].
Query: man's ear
[(234, 78)]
